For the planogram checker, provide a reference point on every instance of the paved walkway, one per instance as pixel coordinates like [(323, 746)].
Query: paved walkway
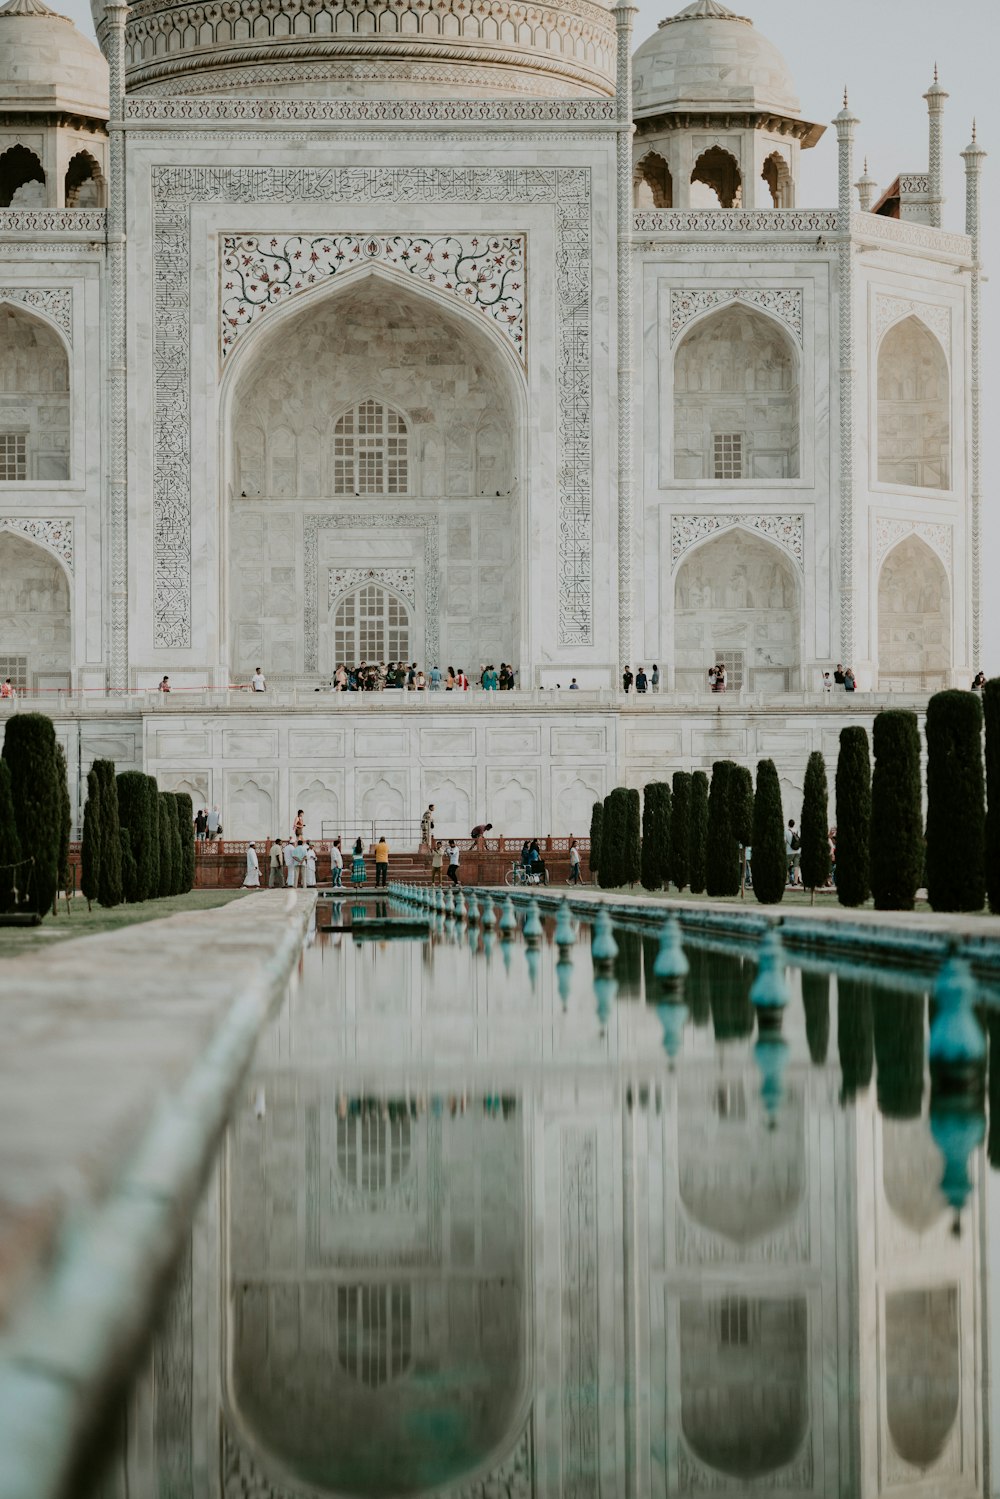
[(119, 1060)]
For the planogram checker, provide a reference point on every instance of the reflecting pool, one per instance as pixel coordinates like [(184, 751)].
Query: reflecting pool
[(491, 1222)]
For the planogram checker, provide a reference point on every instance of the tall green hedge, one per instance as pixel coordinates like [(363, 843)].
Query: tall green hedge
[(722, 863), (698, 856), (151, 879), (90, 848), (991, 712), (816, 1002), (633, 837), (956, 805), (29, 747), (680, 830), (596, 823), (12, 873), (814, 861), (854, 815), (135, 813), (770, 860), (897, 835), (854, 1035), (130, 870), (110, 880), (185, 831), (655, 835), (168, 837), (65, 816), (614, 833)]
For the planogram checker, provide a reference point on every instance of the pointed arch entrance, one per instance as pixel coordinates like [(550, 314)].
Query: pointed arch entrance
[(914, 620), (394, 423), (36, 638)]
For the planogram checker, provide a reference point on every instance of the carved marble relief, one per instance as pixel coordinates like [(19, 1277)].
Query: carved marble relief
[(57, 535), (784, 303), (56, 302), (785, 530)]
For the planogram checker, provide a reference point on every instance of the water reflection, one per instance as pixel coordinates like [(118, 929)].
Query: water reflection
[(484, 1230)]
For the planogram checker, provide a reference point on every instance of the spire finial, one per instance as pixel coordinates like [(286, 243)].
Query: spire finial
[(866, 166), (935, 73), (845, 96), (973, 127)]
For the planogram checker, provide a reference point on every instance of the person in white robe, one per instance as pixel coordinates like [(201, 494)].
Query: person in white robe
[(310, 866), (252, 881)]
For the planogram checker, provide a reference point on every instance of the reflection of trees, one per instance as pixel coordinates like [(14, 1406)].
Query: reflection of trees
[(854, 1034), (898, 1024), (992, 1020), (628, 964), (732, 1012), (698, 989), (816, 1000)]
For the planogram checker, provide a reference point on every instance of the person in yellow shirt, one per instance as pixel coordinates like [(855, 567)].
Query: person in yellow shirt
[(381, 862)]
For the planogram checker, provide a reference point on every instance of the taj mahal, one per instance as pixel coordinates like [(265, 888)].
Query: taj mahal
[(459, 331)]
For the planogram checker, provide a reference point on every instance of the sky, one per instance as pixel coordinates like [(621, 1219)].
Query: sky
[(883, 52)]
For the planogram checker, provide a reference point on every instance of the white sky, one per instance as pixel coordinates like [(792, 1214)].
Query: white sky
[(884, 51)]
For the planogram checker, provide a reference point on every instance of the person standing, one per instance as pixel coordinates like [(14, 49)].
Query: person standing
[(310, 867), (450, 680), (201, 825), (453, 861), (793, 851), (838, 675), (300, 855), (257, 683), (289, 858), (437, 861), (641, 680), (654, 678), (164, 685), (252, 878), (299, 827), (462, 681), (275, 862), (827, 682), (213, 823), (381, 863), (720, 677), (479, 833), (336, 865), (358, 863), (427, 826), (712, 679), (7, 688), (627, 680), (574, 863), (849, 681)]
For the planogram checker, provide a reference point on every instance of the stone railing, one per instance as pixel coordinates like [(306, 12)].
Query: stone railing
[(728, 221), (88, 221)]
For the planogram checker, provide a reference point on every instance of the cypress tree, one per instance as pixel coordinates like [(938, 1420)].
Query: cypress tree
[(130, 870), (815, 830), (699, 832), (614, 832), (596, 822), (133, 813), (29, 748), (770, 860), (151, 882), (741, 814), (897, 836), (12, 875), (168, 826), (723, 854), (90, 848), (991, 711), (956, 809), (649, 872), (65, 817), (110, 878), (854, 1035), (633, 837), (680, 830), (854, 814), (816, 1002), (898, 1027), (185, 831), (177, 852)]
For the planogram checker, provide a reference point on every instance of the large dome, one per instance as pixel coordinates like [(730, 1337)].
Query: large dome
[(383, 48), (708, 59), (47, 66)]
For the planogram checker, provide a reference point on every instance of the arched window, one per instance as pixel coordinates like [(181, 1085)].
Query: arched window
[(373, 1148), (719, 171), (22, 181), (374, 1325), (369, 451), (736, 399), (779, 180), (84, 184), (34, 399), (914, 620), (371, 624), (914, 434), (652, 182)]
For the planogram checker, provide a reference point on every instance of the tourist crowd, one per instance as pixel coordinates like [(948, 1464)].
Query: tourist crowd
[(381, 676)]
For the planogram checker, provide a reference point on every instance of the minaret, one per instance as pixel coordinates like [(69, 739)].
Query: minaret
[(846, 124), (624, 15), (935, 97), (867, 188), (973, 156)]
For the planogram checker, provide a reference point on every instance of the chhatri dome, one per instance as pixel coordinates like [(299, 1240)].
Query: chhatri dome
[(47, 66)]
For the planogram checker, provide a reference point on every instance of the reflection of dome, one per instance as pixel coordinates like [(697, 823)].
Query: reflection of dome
[(707, 58), (922, 1371), (47, 66), (911, 1173), (386, 48)]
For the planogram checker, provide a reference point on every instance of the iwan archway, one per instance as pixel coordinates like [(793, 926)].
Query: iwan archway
[(374, 436)]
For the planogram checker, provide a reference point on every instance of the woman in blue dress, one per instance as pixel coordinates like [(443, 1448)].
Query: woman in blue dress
[(358, 865)]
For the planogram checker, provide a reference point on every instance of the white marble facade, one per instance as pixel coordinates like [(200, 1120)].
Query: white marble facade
[(353, 383)]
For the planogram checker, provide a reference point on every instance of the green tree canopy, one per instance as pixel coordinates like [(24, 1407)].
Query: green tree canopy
[(814, 861), (722, 864), (29, 747), (956, 805), (699, 832), (854, 812), (897, 835), (680, 830), (770, 860)]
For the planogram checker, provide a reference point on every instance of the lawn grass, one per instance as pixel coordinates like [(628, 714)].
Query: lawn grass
[(17, 940)]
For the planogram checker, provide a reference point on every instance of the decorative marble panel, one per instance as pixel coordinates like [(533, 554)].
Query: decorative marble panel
[(784, 303), (364, 520), (785, 530), (736, 221), (889, 310), (452, 112), (57, 535), (176, 190), (485, 272), (55, 301), (54, 221), (890, 529), (400, 580), (906, 232)]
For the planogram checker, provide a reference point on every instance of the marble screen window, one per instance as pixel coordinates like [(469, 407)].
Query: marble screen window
[(371, 624), (13, 456), (370, 451)]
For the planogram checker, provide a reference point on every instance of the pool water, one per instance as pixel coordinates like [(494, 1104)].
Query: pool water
[(490, 1224)]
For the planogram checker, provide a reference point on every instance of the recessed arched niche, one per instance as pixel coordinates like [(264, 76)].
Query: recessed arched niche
[(736, 399), (914, 619), (652, 183), (34, 399), (914, 424), (35, 618), (716, 180), (22, 179), (376, 429)]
